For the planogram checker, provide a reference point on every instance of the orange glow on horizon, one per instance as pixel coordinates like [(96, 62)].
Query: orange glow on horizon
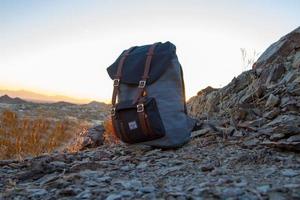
[(15, 91)]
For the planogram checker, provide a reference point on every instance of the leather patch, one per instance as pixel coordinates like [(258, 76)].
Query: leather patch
[(132, 125)]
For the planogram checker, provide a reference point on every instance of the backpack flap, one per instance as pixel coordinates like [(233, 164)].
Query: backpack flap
[(134, 65), (129, 121)]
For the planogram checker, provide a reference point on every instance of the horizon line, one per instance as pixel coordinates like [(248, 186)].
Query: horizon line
[(52, 97)]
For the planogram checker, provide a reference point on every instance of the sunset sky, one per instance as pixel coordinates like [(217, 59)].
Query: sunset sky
[(63, 47)]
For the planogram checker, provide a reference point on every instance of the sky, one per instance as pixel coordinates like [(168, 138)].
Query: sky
[(63, 47)]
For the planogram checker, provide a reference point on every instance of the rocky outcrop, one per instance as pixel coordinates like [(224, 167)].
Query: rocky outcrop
[(263, 102), (280, 51), (88, 138)]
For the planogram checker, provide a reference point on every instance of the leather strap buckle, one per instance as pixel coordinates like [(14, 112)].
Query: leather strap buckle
[(142, 84), (140, 107), (116, 82), (113, 111)]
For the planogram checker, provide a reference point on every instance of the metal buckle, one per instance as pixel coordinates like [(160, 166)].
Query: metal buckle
[(140, 107), (113, 111), (116, 82), (142, 84)]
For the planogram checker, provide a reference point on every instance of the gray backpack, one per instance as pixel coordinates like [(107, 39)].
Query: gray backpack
[(148, 101)]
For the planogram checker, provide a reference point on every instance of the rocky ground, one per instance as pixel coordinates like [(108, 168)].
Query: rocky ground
[(253, 153), (206, 168)]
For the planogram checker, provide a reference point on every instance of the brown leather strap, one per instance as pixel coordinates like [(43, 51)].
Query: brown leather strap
[(143, 81), (141, 89), (118, 76), (116, 91)]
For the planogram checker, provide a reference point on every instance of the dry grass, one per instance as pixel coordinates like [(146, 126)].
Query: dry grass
[(20, 137), (109, 135)]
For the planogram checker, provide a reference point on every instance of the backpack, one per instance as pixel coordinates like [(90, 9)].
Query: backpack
[(148, 101)]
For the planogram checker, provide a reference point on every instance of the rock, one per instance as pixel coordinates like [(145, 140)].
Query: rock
[(294, 89), (70, 191), (239, 113), (272, 114), (280, 49), (89, 138), (48, 178), (285, 129), (59, 164), (297, 80), (289, 77), (114, 197), (37, 193), (207, 168), (252, 94), (85, 165), (251, 142), (287, 146), (277, 136), (106, 179), (131, 184), (292, 185), (277, 196), (296, 63), (147, 189), (294, 138), (241, 183), (257, 123), (290, 172), (276, 73), (96, 135), (86, 194), (232, 192), (206, 91), (285, 120), (263, 188), (125, 168), (272, 101), (142, 165), (168, 170), (126, 193)]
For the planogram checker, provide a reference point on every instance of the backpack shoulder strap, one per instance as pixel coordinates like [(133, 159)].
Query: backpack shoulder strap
[(116, 81)]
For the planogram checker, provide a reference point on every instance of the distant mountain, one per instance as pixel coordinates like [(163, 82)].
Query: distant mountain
[(41, 98), (9, 100), (96, 104), (63, 103)]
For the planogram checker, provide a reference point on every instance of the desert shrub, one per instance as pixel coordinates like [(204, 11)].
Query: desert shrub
[(20, 137), (110, 136), (248, 58)]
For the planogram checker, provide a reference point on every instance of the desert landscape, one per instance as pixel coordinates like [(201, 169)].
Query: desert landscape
[(29, 128), (252, 154)]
